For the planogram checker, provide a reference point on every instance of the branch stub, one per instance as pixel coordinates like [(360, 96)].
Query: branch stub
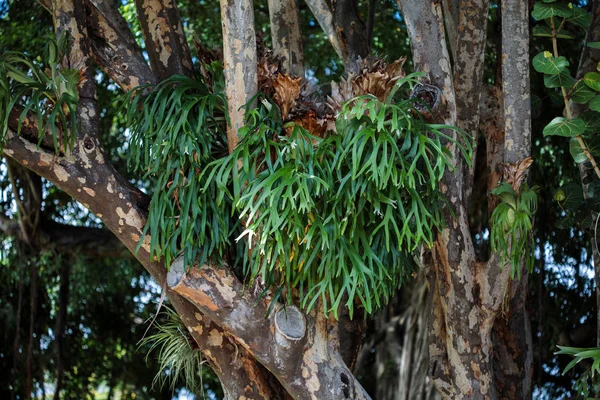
[(290, 322)]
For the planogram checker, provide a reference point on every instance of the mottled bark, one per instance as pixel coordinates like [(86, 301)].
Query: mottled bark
[(286, 35), (239, 57), (307, 363), (468, 78), (114, 47), (492, 126), (467, 294), (515, 80), (165, 41)]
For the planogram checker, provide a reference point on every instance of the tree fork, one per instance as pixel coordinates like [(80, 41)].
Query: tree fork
[(301, 350)]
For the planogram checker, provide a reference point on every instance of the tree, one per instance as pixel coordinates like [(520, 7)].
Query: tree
[(477, 350)]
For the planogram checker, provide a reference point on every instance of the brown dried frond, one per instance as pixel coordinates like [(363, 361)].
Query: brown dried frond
[(266, 76), (514, 173), (373, 77), (287, 91)]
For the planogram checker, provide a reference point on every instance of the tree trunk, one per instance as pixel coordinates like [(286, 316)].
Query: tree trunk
[(32, 317), (61, 319), (16, 342), (287, 38), (468, 294)]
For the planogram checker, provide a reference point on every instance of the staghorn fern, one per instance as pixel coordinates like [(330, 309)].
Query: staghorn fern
[(177, 128), (50, 93), (338, 217)]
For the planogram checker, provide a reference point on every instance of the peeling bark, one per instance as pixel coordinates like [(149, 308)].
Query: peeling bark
[(469, 294), (239, 58), (286, 35)]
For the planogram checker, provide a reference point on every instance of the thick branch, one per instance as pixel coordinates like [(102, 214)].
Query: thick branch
[(114, 46), (468, 77), (239, 56), (164, 37), (286, 342), (515, 80), (287, 38)]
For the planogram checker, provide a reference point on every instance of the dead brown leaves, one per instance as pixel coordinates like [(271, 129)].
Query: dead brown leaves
[(514, 173), (287, 91), (374, 78)]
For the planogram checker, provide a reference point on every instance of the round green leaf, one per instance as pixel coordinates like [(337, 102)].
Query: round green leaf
[(545, 63), (581, 93), (592, 79), (592, 122), (580, 17), (545, 31), (563, 79), (576, 151), (560, 126), (595, 103), (545, 10)]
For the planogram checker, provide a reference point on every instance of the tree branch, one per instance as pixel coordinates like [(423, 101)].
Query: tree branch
[(164, 37), (468, 79), (114, 46), (323, 15), (308, 347), (239, 57), (287, 38), (351, 31)]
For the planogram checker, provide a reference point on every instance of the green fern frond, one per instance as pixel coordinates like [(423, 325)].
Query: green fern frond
[(177, 358), (51, 94)]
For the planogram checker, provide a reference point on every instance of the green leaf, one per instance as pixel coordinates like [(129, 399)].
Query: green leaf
[(545, 63), (592, 79), (564, 79), (560, 126), (592, 122), (573, 196), (595, 103), (594, 45), (542, 11), (580, 17), (542, 30), (592, 144), (581, 93)]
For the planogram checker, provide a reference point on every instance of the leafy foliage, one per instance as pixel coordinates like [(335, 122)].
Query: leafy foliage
[(588, 381), (177, 358), (511, 226), (338, 217), (51, 93), (176, 130)]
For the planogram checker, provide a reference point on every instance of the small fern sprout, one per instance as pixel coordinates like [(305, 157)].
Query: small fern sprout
[(512, 219)]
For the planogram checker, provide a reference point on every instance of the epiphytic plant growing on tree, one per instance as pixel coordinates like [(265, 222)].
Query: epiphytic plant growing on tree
[(335, 211), (50, 93)]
